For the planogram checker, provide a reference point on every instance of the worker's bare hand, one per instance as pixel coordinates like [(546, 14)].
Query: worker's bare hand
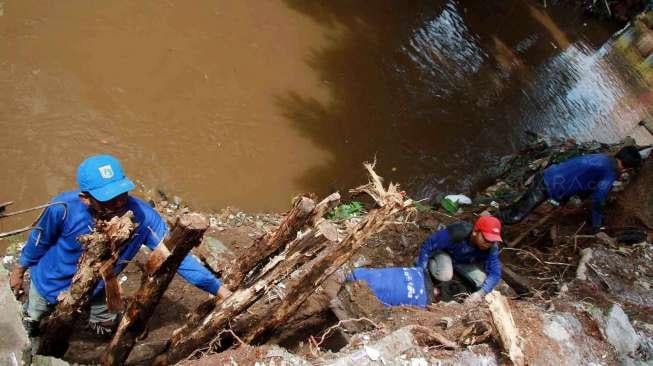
[(475, 297), (16, 280), (223, 292)]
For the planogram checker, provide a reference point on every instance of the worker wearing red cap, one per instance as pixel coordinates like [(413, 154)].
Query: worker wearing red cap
[(472, 251)]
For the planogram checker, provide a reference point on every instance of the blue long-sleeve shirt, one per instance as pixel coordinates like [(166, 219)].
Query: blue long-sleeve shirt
[(583, 175), (52, 253), (462, 252)]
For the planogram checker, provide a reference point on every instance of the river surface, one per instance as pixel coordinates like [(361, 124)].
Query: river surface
[(247, 103)]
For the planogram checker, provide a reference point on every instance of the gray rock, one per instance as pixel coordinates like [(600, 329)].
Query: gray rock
[(215, 245), (619, 332), (14, 343), (556, 331)]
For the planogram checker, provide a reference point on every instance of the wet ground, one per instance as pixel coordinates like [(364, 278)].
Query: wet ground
[(247, 103)]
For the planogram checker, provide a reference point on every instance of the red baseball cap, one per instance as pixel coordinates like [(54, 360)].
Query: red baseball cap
[(490, 227)]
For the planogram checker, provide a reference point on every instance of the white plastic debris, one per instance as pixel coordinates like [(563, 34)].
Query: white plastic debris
[(418, 362), (645, 153), (372, 353), (122, 280), (460, 199), (8, 259)]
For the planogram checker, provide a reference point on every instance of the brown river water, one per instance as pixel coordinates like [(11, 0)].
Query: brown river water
[(247, 103)]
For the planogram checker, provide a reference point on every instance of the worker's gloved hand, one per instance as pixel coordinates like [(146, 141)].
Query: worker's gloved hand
[(475, 297), (16, 280)]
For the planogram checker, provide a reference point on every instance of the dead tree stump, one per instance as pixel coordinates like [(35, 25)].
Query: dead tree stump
[(99, 247), (160, 269)]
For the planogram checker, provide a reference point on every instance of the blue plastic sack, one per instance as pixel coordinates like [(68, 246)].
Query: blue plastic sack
[(395, 286)]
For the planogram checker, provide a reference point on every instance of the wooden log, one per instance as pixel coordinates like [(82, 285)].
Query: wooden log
[(160, 268), (291, 280), (517, 282), (524, 234), (505, 325), (287, 230), (299, 288), (270, 243), (188, 338), (99, 246), (585, 257)]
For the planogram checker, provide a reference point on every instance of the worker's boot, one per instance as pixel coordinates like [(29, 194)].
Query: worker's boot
[(33, 333)]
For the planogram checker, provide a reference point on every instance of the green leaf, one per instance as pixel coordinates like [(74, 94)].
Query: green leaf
[(346, 211)]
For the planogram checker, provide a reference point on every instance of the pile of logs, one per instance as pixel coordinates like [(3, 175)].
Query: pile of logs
[(306, 250), (272, 282)]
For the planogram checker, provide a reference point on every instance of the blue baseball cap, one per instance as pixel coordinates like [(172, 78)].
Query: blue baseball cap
[(102, 176)]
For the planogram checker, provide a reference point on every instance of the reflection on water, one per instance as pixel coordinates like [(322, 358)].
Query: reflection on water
[(579, 93), (247, 103), (445, 49)]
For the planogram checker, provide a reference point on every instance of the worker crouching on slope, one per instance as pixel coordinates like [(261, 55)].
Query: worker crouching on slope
[(52, 250), (460, 247), (586, 175), (471, 251)]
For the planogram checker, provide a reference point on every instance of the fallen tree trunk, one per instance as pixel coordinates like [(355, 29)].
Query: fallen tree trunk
[(288, 230), (160, 268), (517, 282), (100, 246), (296, 218), (289, 278), (505, 325)]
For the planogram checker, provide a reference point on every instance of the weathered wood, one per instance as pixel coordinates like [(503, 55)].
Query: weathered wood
[(161, 268), (517, 282), (270, 243), (98, 245), (306, 262), (505, 325), (585, 257), (188, 338), (428, 336), (524, 234), (286, 231)]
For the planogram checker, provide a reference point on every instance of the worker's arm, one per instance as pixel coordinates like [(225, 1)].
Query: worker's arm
[(190, 268), (43, 236), (437, 241), (492, 270), (599, 198)]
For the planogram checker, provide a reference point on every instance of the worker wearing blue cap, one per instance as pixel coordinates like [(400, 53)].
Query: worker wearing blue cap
[(52, 250)]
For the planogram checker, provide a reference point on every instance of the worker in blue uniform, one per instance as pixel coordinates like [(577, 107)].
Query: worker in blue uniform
[(586, 175), (471, 251), (52, 250)]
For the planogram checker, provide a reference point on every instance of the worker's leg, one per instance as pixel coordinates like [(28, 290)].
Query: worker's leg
[(441, 267), (517, 211), (101, 320), (473, 273), (36, 308)]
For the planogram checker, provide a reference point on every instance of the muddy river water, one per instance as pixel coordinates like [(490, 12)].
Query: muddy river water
[(247, 103)]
